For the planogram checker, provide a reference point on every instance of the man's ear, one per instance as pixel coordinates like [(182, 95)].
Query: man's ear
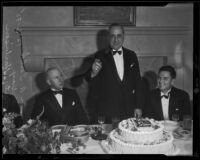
[(173, 80), (48, 82)]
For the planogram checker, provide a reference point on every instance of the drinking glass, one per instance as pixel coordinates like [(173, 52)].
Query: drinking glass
[(187, 122), (137, 113), (101, 120), (115, 121), (175, 117)]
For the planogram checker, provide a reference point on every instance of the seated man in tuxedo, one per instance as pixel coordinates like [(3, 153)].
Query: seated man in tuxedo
[(9, 103), (166, 99), (59, 105)]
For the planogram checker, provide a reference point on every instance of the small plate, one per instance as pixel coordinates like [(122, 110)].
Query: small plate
[(80, 128), (61, 126), (168, 122), (170, 125), (182, 134), (57, 128)]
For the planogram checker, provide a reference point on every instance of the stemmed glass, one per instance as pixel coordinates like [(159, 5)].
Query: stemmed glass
[(101, 120)]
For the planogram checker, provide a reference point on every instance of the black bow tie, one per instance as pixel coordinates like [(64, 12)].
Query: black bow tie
[(57, 92), (165, 96), (115, 52)]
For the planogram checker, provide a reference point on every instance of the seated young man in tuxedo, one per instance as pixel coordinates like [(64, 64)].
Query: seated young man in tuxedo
[(167, 100), (9, 103), (59, 105)]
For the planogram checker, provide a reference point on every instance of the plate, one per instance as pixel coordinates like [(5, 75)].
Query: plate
[(61, 126), (170, 125), (79, 130), (182, 134), (168, 122), (57, 128)]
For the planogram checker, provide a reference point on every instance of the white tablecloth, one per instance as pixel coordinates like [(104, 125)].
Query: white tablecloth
[(183, 147)]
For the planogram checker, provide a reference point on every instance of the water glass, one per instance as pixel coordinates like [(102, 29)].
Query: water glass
[(187, 122), (175, 117), (115, 121)]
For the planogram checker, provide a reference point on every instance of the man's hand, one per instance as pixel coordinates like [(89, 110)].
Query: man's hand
[(96, 67), (137, 113)]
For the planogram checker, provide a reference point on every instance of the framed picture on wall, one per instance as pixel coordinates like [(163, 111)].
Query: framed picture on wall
[(104, 15)]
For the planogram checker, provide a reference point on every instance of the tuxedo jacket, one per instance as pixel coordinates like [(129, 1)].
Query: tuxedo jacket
[(10, 103), (71, 112), (179, 99), (108, 95)]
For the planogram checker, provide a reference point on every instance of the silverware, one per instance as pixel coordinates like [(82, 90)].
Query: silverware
[(67, 129)]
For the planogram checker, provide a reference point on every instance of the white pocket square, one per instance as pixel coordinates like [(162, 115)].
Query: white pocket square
[(73, 103), (133, 91), (131, 66)]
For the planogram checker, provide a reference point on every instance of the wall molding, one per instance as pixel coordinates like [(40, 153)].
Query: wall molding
[(91, 30), (38, 43)]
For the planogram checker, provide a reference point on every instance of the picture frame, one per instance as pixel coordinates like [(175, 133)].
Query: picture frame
[(104, 15)]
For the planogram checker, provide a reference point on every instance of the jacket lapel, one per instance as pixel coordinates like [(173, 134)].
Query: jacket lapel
[(159, 105), (66, 102), (53, 102)]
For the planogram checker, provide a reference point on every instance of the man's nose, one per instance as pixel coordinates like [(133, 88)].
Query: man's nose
[(115, 39), (161, 80), (61, 79)]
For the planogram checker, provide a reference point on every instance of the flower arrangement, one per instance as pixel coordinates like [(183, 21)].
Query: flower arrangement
[(33, 137)]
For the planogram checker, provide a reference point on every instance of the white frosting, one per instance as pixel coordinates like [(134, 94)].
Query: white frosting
[(119, 146), (143, 134), (145, 140)]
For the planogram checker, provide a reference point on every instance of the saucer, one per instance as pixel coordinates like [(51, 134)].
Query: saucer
[(99, 136)]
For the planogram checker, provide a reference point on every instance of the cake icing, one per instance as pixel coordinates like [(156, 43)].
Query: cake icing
[(143, 136)]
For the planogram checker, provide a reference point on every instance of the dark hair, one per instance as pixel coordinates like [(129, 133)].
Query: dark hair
[(170, 69), (116, 25)]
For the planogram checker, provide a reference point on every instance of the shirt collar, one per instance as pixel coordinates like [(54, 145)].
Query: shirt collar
[(56, 90)]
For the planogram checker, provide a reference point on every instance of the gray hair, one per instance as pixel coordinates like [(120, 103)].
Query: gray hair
[(49, 70)]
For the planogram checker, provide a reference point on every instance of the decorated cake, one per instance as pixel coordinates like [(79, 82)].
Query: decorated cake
[(140, 136)]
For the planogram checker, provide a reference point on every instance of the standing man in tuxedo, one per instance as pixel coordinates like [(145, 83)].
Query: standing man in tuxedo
[(59, 105), (115, 81), (167, 100)]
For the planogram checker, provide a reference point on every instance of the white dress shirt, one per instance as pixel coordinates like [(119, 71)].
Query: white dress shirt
[(59, 98), (119, 62), (165, 105)]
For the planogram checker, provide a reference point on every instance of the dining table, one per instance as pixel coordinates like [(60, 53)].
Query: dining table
[(184, 146)]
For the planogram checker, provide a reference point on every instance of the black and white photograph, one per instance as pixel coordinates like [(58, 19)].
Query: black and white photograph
[(99, 80)]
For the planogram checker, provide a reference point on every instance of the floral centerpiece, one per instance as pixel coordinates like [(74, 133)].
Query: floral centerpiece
[(32, 137)]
